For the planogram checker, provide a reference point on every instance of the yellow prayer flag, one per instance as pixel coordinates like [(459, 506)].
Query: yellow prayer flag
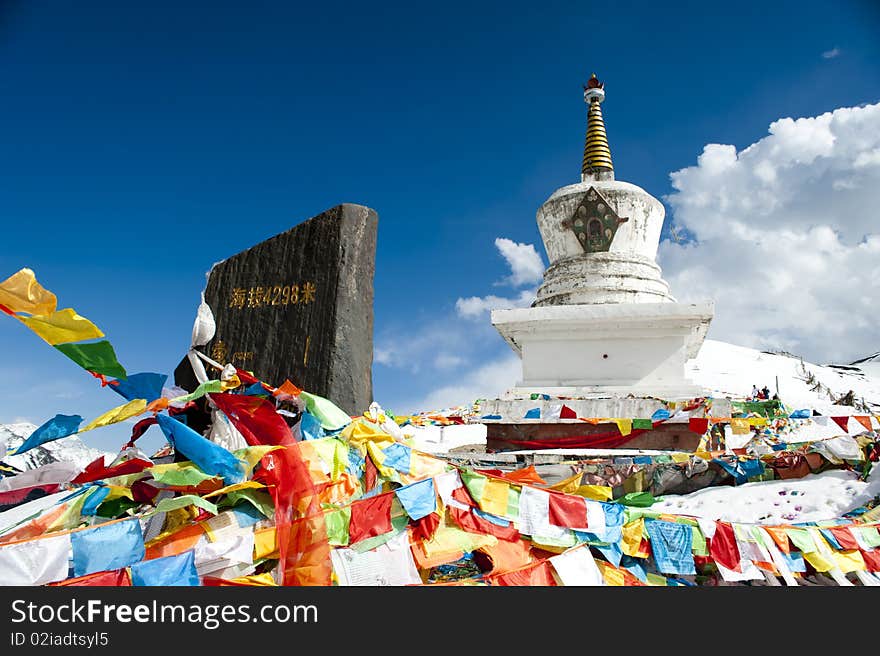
[(117, 414), (632, 538), (758, 421), (568, 485), (595, 492), (253, 454), (264, 579), (264, 543), (849, 561), (246, 485), (680, 457), (494, 499), (624, 426), (22, 293), (611, 574), (819, 562), (375, 452), (359, 433), (739, 426), (62, 327)]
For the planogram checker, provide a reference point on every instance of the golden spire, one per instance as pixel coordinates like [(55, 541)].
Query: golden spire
[(597, 155)]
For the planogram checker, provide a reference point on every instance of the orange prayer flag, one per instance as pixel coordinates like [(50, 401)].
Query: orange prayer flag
[(864, 420), (287, 389)]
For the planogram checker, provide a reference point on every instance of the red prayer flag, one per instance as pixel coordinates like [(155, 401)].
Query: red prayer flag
[(300, 530), (370, 517), (524, 475), (864, 420), (461, 495), (722, 547), (96, 470), (842, 422), (425, 527), (567, 413), (872, 559), (473, 523), (568, 510), (844, 538), (115, 577), (698, 425)]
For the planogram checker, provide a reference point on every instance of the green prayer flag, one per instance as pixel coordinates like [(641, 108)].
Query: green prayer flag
[(213, 386), (259, 499), (800, 537), (94, 356), (638, 499), (330, 416), (642, 424), (337, 522), (167, 505), (513, 502), (870, 535), (115, 507), (474, 483), (179, 473)]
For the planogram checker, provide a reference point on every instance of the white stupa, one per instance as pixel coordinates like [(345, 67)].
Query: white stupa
[(604, 321)]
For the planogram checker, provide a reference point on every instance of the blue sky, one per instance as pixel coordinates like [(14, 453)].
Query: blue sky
[(142, 142)]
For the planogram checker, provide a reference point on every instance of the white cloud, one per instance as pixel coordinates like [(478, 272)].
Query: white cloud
[(448, 361), (489, 380), (787, 236), (526, 266), (831, 54), (476, 307)]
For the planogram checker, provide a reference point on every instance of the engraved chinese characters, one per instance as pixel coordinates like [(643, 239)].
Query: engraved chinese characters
[(264, 296)]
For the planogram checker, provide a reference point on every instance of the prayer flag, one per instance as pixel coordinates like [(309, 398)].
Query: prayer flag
[(54, 429), (62, 326), (117, 414), (109, 546), (179, 570), (207, 456), (97, 357), (144, 385), (22, 293), (418, 499), (370, 517)]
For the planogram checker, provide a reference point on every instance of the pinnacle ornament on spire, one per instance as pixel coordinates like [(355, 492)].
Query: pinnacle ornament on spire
[(597, 155)]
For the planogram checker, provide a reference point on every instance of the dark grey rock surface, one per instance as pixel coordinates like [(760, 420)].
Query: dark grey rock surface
[(299, 306)]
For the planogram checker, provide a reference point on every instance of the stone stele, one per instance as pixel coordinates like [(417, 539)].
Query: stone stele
[(299, 306)]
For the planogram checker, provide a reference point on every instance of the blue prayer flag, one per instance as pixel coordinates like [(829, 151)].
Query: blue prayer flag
[(57, 427), (397, 457), (111, 546), (418, 499), (176, 570), (534, 413), (211, 458), (672, 546), (660, 414), (96, 496), (144, 385), (310, 427)]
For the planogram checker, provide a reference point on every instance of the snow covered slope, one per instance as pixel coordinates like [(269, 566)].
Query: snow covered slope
[(730, 371), (68, 449)]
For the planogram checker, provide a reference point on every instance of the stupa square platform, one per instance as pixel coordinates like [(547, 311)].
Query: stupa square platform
[(583, 351)]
